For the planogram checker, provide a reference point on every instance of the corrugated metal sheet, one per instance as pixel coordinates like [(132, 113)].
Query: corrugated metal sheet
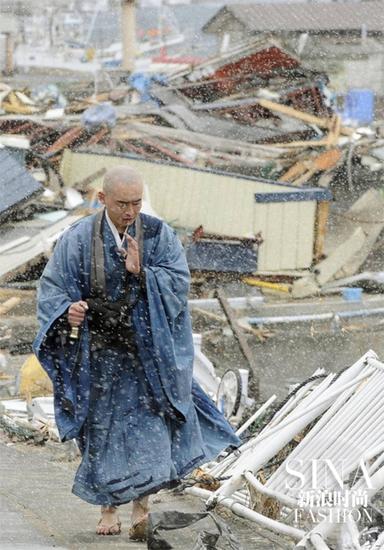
[(316, 16), (224, 204)]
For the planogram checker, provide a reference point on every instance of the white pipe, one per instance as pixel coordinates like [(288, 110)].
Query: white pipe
[(363, 435), (315, 406), (290, 318), (380, 541), (318, 542), (246, 513), (314, 316), (267, 451), (235, 303), (328, 525), (256, 415), (306, 446), (376, 363), (350, 419), (218, 469), (304, 406), (285, 499), (299, 395), (239, 497), (365, 407), (14, 244), (306, 449)]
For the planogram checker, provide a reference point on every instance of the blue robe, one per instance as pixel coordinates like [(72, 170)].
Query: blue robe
[(142, 421)]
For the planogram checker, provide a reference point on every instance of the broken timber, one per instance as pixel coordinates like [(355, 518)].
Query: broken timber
[(243, 344)]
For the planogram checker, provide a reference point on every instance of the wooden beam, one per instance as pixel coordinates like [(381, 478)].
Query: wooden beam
[(137, 129), (85, 182), (322, 214), (9, 304), (243, 344), (324, 122), (306, 144)]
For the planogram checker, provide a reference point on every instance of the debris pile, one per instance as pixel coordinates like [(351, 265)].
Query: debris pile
[(323, 418), (255, 114)]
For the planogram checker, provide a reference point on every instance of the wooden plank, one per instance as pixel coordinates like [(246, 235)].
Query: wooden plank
[(83, 184), (296, 170), (243, 344), (326, 269), (137, 130), (305, 144), (327, 159), (305, 117), (322, 213), (9, 304), (368, 213), (8, 292), (67, 139), (304, 178)]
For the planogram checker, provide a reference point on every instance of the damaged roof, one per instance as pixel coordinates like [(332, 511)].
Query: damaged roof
[(316, 17), (16, 184)]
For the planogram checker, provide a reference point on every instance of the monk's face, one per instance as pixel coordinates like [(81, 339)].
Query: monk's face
[(123, 203)]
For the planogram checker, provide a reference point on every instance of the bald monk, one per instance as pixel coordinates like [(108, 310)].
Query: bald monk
[(115, 337)]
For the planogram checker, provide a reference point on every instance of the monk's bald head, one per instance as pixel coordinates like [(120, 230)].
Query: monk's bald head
[(121, 176), (122, 195)]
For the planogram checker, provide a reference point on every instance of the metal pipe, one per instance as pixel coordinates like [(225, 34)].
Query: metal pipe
[(314, 406), (351, 412), (300, 394), (235, 303), (318, 542), (357, 433), (296, 423), (310, 398), (305, 450), (281, 497), (314, 316), (244, 512), (256, 415), (247, 448), (376, 363)]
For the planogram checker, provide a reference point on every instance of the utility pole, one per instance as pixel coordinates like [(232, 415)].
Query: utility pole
[(128, 21)]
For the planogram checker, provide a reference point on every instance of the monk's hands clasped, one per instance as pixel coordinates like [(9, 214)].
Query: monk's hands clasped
[(76, 313), (132, 258)]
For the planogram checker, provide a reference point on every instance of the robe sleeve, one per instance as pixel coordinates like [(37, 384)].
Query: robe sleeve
[(168, 275), (66, 362), (171, 355), (61, 283)]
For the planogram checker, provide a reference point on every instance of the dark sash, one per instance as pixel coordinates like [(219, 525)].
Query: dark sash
[(111, 322)]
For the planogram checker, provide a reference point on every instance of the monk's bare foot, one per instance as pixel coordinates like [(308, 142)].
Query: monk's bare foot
[(139, 521), (109, 523)]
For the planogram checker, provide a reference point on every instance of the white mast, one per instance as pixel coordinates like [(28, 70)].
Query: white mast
[(128, 20)]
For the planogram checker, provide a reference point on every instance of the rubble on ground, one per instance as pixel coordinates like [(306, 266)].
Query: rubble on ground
[(255, 112)]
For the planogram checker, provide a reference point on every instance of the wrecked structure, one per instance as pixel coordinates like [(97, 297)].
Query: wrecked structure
[(313, 32), (242, 146), (244, 156)]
